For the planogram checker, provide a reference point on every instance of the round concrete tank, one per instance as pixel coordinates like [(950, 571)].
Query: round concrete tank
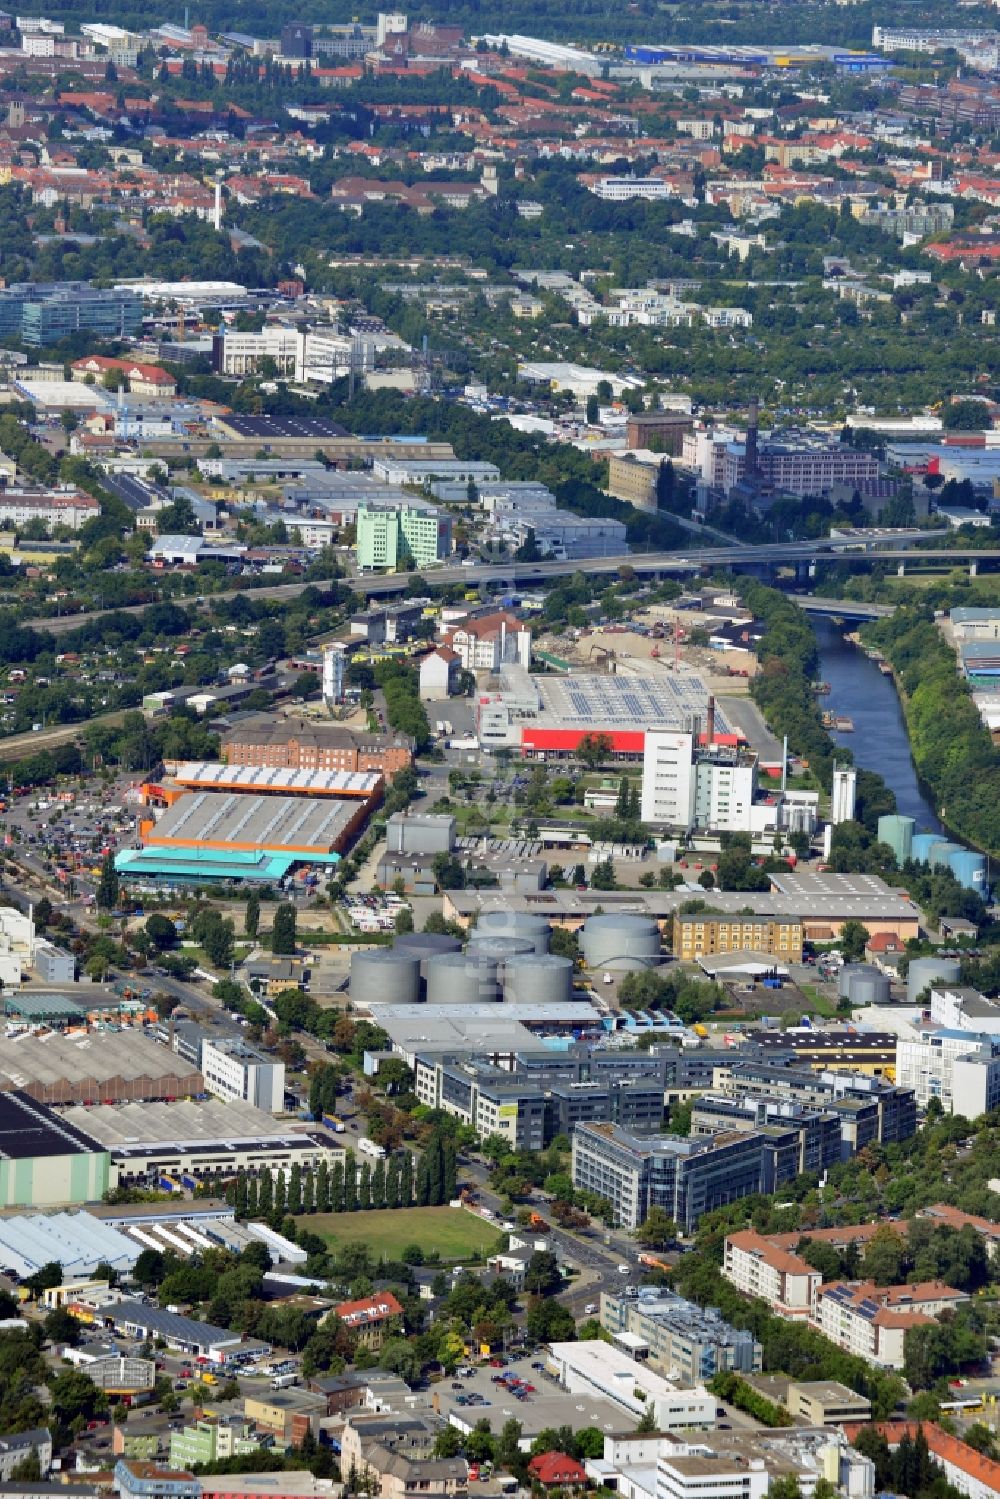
[(538, 979), (847, 973), (897, 832), (523, 925), (622, 943), (458, 978), (498, 949), (941, 852), (384, 976), (426, 945), (921, 845), (923, 972), (969, 869), (868, 986)]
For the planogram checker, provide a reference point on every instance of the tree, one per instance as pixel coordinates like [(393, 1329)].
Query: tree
[(541, 1275), (854, 938), (251, 920), (60, 1327), (658, 1231), (283, 930), (108, 884), (403, 922), (161, 931), (594, 750), (75, 1396), (966, 416)]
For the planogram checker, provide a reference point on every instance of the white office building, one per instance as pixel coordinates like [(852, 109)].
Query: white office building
[(961, 1008), (594, 1368), (234, 1070), (957, 1067)]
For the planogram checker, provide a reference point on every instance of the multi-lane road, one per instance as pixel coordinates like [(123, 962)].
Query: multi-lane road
[(867, 549)]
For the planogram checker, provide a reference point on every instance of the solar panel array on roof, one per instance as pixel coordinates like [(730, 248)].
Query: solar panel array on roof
[(664, 701)]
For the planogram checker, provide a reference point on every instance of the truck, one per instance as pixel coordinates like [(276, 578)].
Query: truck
[(284, 1381), (369, 1148), (332, 1122)]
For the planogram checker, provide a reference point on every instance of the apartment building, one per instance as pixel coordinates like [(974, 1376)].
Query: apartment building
[(491, 641), (371, 1317), (702, 933), (685, 1342), (59, 507), (758, 1268), (872, 1321)]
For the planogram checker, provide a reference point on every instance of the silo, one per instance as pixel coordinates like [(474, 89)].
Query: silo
[(969, 869), (426, 945), (498, 949), (458, 978), (897, 831), (385, 976), (622, 943), (538, 979), (847, 973), (941, 852), (923, 972), (868, 986), (921, 845), (521, 924)]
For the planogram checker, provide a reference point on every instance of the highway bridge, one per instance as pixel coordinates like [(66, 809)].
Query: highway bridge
[(874, 547)]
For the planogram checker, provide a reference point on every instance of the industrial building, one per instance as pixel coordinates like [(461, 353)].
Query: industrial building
[(819, 903), (77, 1241), (305, 744), (550, 715), (217, 836), (43, 1160), (489, 1029), (136, 1319), (106, 1068), (346, 785), (204, 1140), (688, 1343)]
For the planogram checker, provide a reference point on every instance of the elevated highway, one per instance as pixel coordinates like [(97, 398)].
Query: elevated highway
[(874, 548)]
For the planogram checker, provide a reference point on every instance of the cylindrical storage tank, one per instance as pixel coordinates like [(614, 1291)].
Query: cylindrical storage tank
[(847, 973), (384, 976), (897, 832), (623, 943), (925, 971), (458, 978), (498, 949), (921, 845), (941, 852), (521, 924), (426, 945), (868, 986), (538, 979), (969, 869)]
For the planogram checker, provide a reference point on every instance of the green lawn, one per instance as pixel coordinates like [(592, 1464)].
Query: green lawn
[(454, 1233)]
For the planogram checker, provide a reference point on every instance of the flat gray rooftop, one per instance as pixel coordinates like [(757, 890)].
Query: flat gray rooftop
[(661, 701), (243, 820)]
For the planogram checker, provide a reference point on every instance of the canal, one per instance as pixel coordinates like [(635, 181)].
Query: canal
[(859, 691)]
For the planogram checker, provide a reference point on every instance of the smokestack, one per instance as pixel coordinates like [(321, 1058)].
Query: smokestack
[(710, 723), (217, 210), (751, 445)]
